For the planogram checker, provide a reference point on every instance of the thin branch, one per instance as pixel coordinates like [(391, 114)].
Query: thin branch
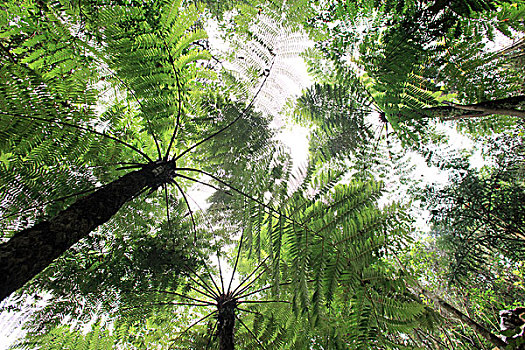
[(179, 108), (243, 113), (236, 261), (81, 128), (143, 109), (183, 296), (212, 292), (129, 167), (220, 271), (190, 211), (209, 274), (167, 206), (250, 275), (245, 288), (238, 191), (249, 311), (201, 292), (261, 301), (271, 210), (211, 55), (193, 324), (204, 214), (268, 287), (254, 292), (163, 304), (211, 334), (203, 183), (249, 331)]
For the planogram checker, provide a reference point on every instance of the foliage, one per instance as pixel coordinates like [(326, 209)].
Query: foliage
[(481, 212), (418, 54), (93, 88)]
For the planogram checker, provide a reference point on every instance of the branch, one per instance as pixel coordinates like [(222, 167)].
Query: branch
[(211, 334), (201, 292), (220, 271), (193, 324), (179, 108), (236, 261), (179, 111), (451, 310), (249, 311), (249, 331), (163, 304), (203, 183), (209, 274), (143, 109), (262, 301), (250, 275), (182, 296), (272, 211), (190, 211), (215, 295)]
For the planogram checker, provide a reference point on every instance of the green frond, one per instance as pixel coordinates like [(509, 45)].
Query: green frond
[(63, 337)]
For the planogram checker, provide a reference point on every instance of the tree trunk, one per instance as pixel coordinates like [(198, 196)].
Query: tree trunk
[(31, 250), (226, 323), (511, 106), (478, 328)]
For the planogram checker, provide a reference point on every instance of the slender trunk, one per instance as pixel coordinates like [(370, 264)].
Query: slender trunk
[(451, 310), (511, 106), (519, 45), (31, 250), (478, 328)]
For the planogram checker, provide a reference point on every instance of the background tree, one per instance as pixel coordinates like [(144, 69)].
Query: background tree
[(418, 55), (480, 213)]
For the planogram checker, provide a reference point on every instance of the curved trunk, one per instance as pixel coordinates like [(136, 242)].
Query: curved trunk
[(478, 328), (31, 250)]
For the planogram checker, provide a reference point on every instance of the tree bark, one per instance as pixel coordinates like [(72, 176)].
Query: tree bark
[(226, 323), (511, 106), (478, 328), (31, 250)]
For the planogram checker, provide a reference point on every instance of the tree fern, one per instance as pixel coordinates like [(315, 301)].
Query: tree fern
[(334, 243), (147, 81)]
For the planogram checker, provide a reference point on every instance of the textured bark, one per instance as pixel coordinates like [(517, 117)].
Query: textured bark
[(226, 322), (478, 328), (511, 106), (31, 250)]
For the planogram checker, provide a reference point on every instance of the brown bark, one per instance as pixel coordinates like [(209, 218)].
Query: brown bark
[(451, 310), (478, 328), (511, 106), (31, 250)]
